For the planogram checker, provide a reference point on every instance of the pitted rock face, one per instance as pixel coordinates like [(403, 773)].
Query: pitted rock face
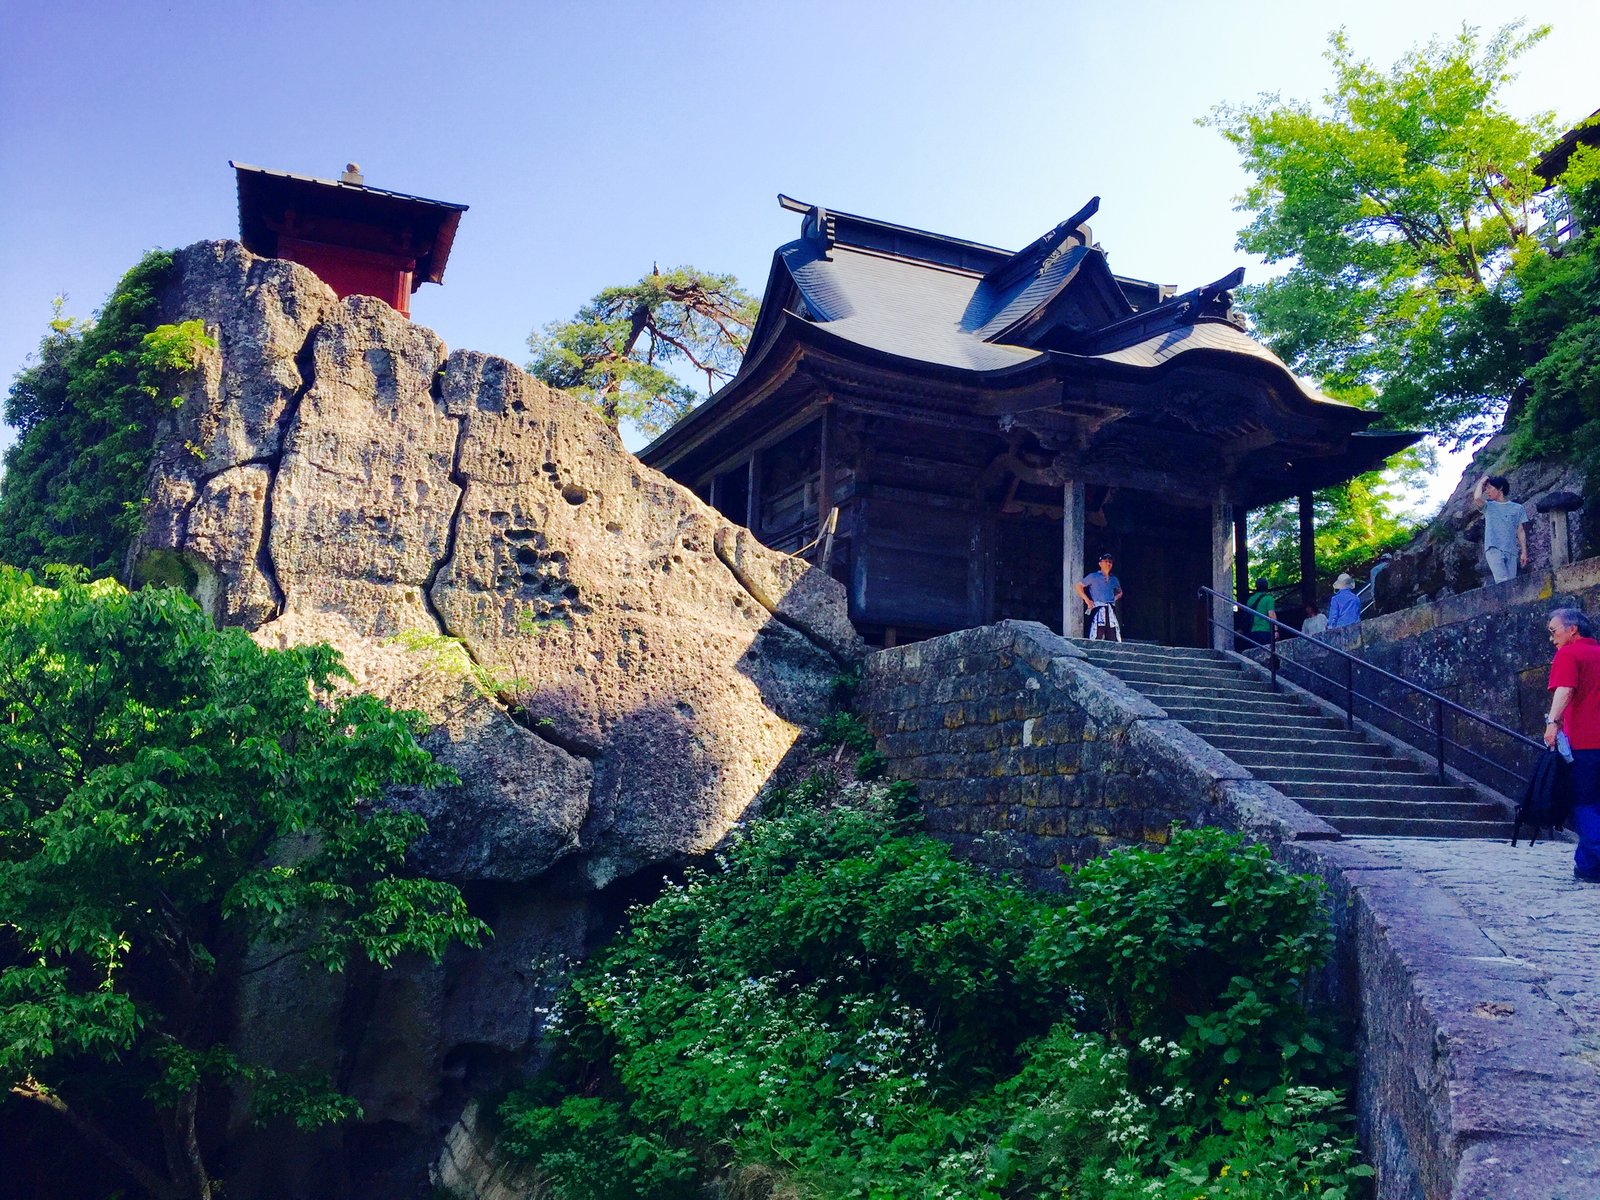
[(612, 667)]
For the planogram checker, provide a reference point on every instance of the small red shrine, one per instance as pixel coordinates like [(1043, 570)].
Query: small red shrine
[(359, 240)]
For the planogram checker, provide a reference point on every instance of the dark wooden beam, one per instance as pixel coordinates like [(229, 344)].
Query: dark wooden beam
[(739, 453), (1308, 552), (825, 471), (1145, 479), (918, 414), (1241, 553), (752, 507)]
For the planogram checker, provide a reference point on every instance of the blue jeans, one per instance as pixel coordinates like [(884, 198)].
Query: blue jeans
[(1502, 563), (1586, 812)]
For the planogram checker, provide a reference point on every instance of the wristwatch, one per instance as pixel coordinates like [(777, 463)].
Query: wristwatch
[(1551, 719)]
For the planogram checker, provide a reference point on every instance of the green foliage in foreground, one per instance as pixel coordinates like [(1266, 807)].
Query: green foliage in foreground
[(180, 808), (843, 1010), (86, 414)]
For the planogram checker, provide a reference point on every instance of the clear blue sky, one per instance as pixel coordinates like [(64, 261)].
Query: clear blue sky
[(592, 139)]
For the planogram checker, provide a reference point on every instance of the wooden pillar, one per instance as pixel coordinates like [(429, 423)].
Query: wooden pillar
[(1308, 552), (1241, 553), (825, 470), (752, 511), (1071, 558), (1223, 565)]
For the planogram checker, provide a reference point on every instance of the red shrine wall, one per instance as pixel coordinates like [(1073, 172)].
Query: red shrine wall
[(351, 272)]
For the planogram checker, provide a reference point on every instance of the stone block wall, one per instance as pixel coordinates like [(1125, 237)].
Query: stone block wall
[(1028, 757), (1486, 649)]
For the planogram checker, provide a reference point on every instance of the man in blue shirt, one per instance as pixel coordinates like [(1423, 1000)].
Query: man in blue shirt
[(1099, 590)]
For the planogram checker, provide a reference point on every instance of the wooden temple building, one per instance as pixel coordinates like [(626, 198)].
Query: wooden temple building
[(956, 431), (359, 240)]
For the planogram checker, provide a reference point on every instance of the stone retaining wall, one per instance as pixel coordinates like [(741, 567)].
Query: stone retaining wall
[(1471, 1083), (1485, 649), (1027, 756)]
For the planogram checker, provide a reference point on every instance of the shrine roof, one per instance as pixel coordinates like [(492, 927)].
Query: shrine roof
[(1585, 133), (1206, 335), (888, 304), (948, 302), (264, 195), (896, 305)]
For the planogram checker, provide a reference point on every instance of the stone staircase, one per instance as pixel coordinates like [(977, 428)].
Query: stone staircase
[(1349, 780)]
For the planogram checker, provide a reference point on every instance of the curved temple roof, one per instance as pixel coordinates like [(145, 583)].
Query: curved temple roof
[(986, 320)]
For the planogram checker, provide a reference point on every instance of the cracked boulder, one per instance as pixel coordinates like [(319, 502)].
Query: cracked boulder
[(611, 667)]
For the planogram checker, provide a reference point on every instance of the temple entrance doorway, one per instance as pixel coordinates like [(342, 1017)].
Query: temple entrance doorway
[(1162, 555)]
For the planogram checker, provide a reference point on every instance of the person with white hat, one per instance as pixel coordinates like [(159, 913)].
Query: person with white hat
[(1345, 607)]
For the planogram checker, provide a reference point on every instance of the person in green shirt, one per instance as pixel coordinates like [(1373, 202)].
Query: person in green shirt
[(1264, 607)]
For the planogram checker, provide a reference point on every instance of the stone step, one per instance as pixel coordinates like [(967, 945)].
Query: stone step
[(1277, 726), (1340, 741), (1414, 827), (1456, 810), (1358, 771), (1200, 701), (1196, 677), (1421, 792), (1133, 652), (1146, 650), (1197, 668), (1360, 757)]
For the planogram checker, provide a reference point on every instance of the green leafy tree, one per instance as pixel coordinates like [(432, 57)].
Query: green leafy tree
[(1556, 317), (1354, 524), (1399, 206), (179, 809), (86, 414), (622, 350)]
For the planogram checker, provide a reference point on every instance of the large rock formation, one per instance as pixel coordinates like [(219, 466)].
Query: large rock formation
[(612, 668)]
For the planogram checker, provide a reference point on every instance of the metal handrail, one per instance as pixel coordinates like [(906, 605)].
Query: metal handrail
[(1442, 704)]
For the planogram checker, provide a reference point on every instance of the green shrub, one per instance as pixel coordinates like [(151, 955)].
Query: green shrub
[(589, 1150), (842, 1009), (1208, 943), (86, 415), (844, 728), (843, 687), (871, 765), (812, 792)]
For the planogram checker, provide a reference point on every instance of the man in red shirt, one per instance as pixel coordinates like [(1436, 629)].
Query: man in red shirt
[(1575, 711)]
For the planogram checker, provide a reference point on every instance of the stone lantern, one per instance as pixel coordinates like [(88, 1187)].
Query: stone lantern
[(1559, 505)]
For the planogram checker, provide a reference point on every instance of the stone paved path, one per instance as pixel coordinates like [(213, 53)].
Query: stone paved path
[(1525, 900)]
